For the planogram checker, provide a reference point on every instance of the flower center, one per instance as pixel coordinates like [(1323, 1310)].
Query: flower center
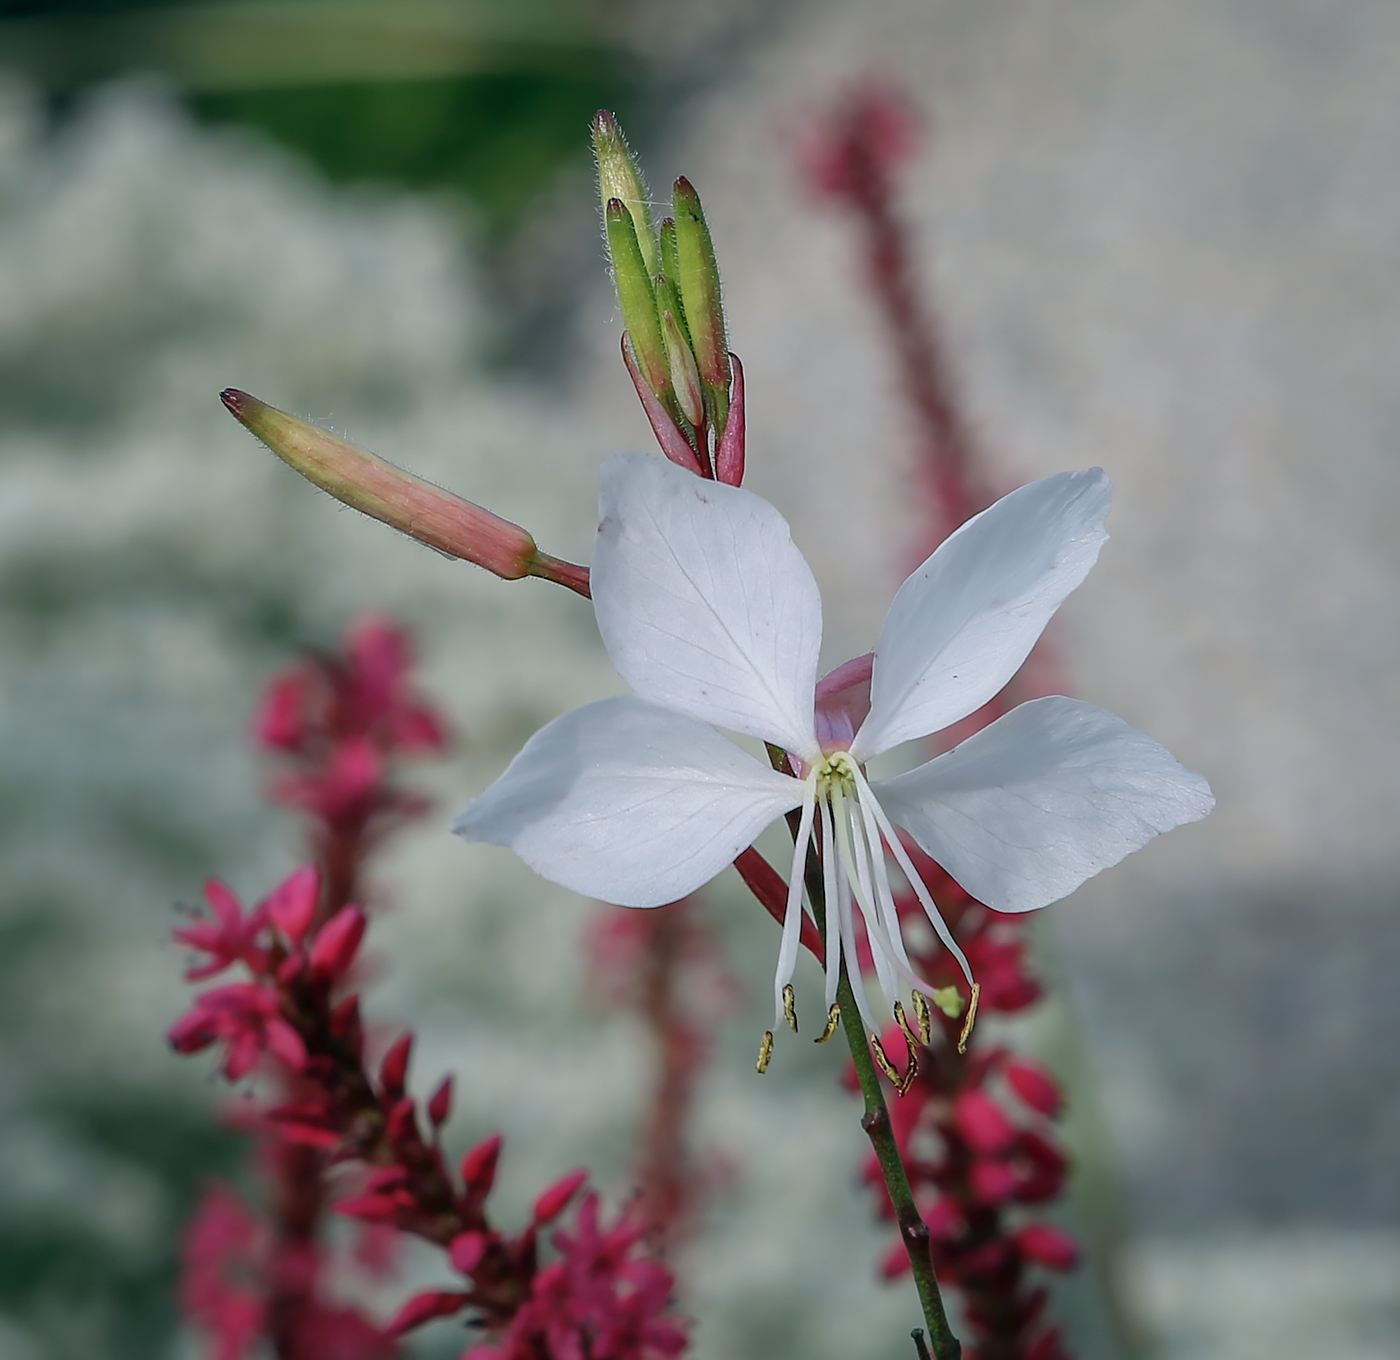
[(835, 775)]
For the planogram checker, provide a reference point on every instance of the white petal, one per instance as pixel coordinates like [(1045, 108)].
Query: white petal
[(628, 802), (704, 602), (1023, 812), (963, 623)]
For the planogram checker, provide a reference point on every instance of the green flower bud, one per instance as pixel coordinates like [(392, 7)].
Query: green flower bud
[(619, 178), (698, 278), (636, 297)]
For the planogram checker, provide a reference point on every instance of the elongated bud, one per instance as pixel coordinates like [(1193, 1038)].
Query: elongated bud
[(620, 178), (636, 298), (393, 1071), (389, 494), (698, 277), (440, 1102), (553, 1201), (684, 375), (337, 942)]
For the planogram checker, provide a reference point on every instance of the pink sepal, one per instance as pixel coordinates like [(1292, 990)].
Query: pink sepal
[(729, 455), (673, 443)]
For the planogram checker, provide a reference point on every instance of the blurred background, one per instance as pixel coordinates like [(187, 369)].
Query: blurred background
[(1162, 238)]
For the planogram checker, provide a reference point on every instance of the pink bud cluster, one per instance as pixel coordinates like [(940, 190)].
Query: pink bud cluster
[(339, 721), (344, 1133), (975, 1133)]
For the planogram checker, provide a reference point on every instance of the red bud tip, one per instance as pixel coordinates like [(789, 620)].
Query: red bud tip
[(553, 1201), (479, 1165), (334, 948), (440, 1103), (393, 1071)]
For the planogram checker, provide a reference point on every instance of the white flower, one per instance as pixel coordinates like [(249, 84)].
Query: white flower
[(712, 616)]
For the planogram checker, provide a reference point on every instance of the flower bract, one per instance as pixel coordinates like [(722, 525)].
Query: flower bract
[(712, 617)]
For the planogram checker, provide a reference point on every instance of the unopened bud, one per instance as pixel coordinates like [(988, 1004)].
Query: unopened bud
[(685, 378), (636, 297), (698, 277), (337, 942), (553, 1201), (389, 494), (479, 1165), (393, 1071), (620, 178), (440, 1102)]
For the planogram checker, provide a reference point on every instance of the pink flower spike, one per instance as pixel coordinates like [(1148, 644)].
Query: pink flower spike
[(423, 1308), (553, 1201), (466, 1251), (334, 948), (292, 905), (1048, 1246), (440, 1102), (673, 443), (479, 1165), (729, 455)]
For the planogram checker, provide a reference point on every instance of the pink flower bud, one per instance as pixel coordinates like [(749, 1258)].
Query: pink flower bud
[(393, 1071), (1034, 1085), (466, 1251), (993, 1182), (981, 1122), (372, 1208), (336, 943), (402, 1124), (387, 493), (479, 1165), (552, 1202), (423, 1308), (440, 1103), (1048, 1246), (292, 905)]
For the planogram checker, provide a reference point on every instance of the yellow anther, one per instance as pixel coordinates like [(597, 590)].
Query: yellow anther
[(881, 1057), (971, 1016), (907, 1081), (910, 1037), (765, 1051), (833, 1018), (925, 1020), (790, 1007)]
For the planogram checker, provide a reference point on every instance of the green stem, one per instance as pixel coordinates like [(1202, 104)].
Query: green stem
[(913, 1231)]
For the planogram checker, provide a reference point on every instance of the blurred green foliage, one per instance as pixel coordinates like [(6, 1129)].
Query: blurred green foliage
[(498, 137)]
